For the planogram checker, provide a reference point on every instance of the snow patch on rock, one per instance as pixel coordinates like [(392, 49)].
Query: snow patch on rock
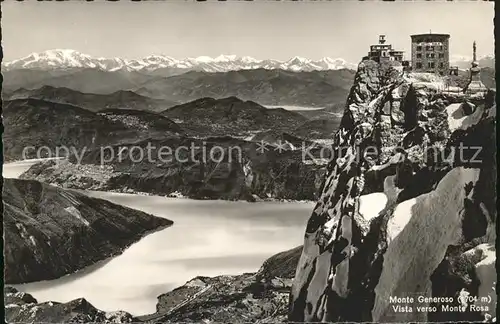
[(25, 235), (75, 212), (370, 205), (426, 226), (457, 119)]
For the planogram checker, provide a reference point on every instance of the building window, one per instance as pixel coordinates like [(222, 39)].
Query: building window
[(441, 47), (430, 65), (441, 65), (419, 55), (441, 55), (419, 65), (419, 48), (429, 48), (430, 55)]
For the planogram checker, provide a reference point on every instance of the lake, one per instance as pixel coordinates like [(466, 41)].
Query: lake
[(208, 238), (295, 108)]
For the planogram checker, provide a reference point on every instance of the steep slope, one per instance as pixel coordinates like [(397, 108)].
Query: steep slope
[(231, 116), (50, 232), (267, 87), (37, 125), (121, 99), (403, 138)]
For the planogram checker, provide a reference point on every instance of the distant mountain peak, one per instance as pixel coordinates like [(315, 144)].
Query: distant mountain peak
[(67, 58), (463, 61)]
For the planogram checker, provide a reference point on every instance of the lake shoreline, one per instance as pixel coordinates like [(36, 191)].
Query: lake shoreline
[(208, 238)]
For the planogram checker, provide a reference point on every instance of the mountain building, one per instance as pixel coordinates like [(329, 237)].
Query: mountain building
[(430, 53), (383, 52)]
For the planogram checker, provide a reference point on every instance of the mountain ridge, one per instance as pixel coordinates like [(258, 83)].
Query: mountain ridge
[(123, 99), (66, 58)]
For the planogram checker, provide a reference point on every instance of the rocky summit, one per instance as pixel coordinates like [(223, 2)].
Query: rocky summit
[(427, 152), (50, 232), (21, 307)]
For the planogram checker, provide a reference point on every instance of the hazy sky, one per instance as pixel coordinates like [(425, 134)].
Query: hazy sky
[(277, 30)]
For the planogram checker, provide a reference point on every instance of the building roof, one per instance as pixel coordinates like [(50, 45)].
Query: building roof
[(430, 34)]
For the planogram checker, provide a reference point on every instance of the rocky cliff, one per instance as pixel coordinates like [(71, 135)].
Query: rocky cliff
[(423, 160), (50, 232)]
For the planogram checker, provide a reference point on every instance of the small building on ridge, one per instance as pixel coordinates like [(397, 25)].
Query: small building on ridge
[(383, 52)]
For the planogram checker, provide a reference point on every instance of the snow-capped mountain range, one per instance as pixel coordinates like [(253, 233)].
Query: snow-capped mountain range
[(64, 59), (464, 62)]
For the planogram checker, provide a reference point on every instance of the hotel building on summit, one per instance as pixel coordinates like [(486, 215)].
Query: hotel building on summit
[(430, 53)]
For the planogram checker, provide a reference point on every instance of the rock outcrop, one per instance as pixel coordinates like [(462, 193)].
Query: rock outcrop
[(50, 232), (430, 153), (260, 297), (21, 307)]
